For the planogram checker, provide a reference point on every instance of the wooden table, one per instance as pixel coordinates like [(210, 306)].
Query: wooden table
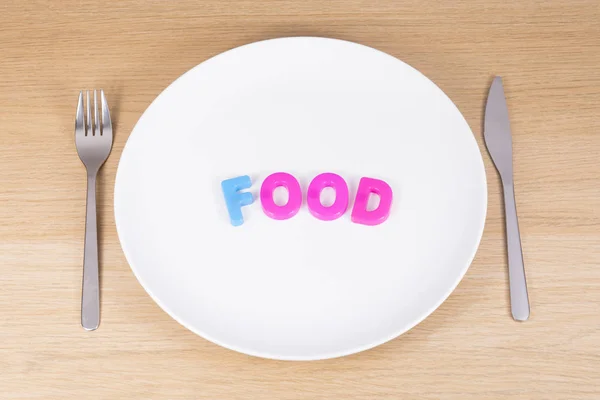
[(470, 348)]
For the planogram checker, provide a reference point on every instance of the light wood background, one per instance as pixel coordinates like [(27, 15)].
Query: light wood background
[(549, 55)]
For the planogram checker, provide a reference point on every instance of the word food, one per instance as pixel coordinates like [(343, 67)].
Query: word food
[(235, 199)]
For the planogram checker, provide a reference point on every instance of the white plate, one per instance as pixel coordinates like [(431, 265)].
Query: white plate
[(302, 288)]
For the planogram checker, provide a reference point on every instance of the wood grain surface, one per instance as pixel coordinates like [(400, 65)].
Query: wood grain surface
[(549, 55)]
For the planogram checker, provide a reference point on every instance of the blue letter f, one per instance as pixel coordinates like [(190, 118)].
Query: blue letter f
[(235, 199)]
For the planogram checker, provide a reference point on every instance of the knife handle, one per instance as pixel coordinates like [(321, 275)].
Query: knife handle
[(519, 299)]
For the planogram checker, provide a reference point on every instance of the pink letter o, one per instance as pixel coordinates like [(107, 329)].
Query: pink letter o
[(269, 185), (313, 197)]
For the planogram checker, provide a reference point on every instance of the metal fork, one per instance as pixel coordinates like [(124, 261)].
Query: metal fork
[(93, 140)]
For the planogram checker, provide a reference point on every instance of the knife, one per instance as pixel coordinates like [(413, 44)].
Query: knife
[(499, 144)]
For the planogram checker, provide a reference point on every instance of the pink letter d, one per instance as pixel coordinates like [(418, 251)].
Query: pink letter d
[(366, 186)]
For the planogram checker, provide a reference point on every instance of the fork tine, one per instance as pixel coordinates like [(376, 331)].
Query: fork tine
[(79, 124), (106, 122), (96, 121), (88, 114)]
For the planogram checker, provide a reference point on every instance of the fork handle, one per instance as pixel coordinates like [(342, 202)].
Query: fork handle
[(519, 299), (90, 296)]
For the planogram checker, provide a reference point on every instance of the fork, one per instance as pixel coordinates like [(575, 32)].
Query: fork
[(93, 140)]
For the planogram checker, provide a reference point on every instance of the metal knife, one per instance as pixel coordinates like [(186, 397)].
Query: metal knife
[(499, 144)]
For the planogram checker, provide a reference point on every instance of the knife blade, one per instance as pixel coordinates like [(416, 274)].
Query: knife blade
[(498, 140)]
